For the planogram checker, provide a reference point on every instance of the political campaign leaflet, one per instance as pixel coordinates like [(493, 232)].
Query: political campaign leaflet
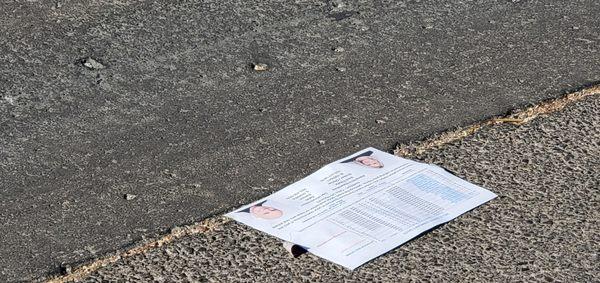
[(362, 206)]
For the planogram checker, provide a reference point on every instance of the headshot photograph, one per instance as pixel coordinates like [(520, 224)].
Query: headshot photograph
[(365, 159), (262, 211)]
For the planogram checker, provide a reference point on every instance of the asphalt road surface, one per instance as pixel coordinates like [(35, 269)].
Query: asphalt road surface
[(542, 227), (122, 119)]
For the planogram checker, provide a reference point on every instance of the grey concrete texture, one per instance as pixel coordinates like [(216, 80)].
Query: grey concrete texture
[(543, 227), (169, 110)]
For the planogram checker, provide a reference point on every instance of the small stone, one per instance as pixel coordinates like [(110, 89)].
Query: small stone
[(130, 196), (169, 174), (321, 142), (261, 67), (66, 269), (11, 100), (305, 273), (92, 64)]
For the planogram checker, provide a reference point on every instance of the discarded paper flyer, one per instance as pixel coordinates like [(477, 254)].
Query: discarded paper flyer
[(362, 206)]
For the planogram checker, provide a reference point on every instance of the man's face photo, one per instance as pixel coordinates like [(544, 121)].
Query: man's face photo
[(265, 212), (368, 161), (365, 159)]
